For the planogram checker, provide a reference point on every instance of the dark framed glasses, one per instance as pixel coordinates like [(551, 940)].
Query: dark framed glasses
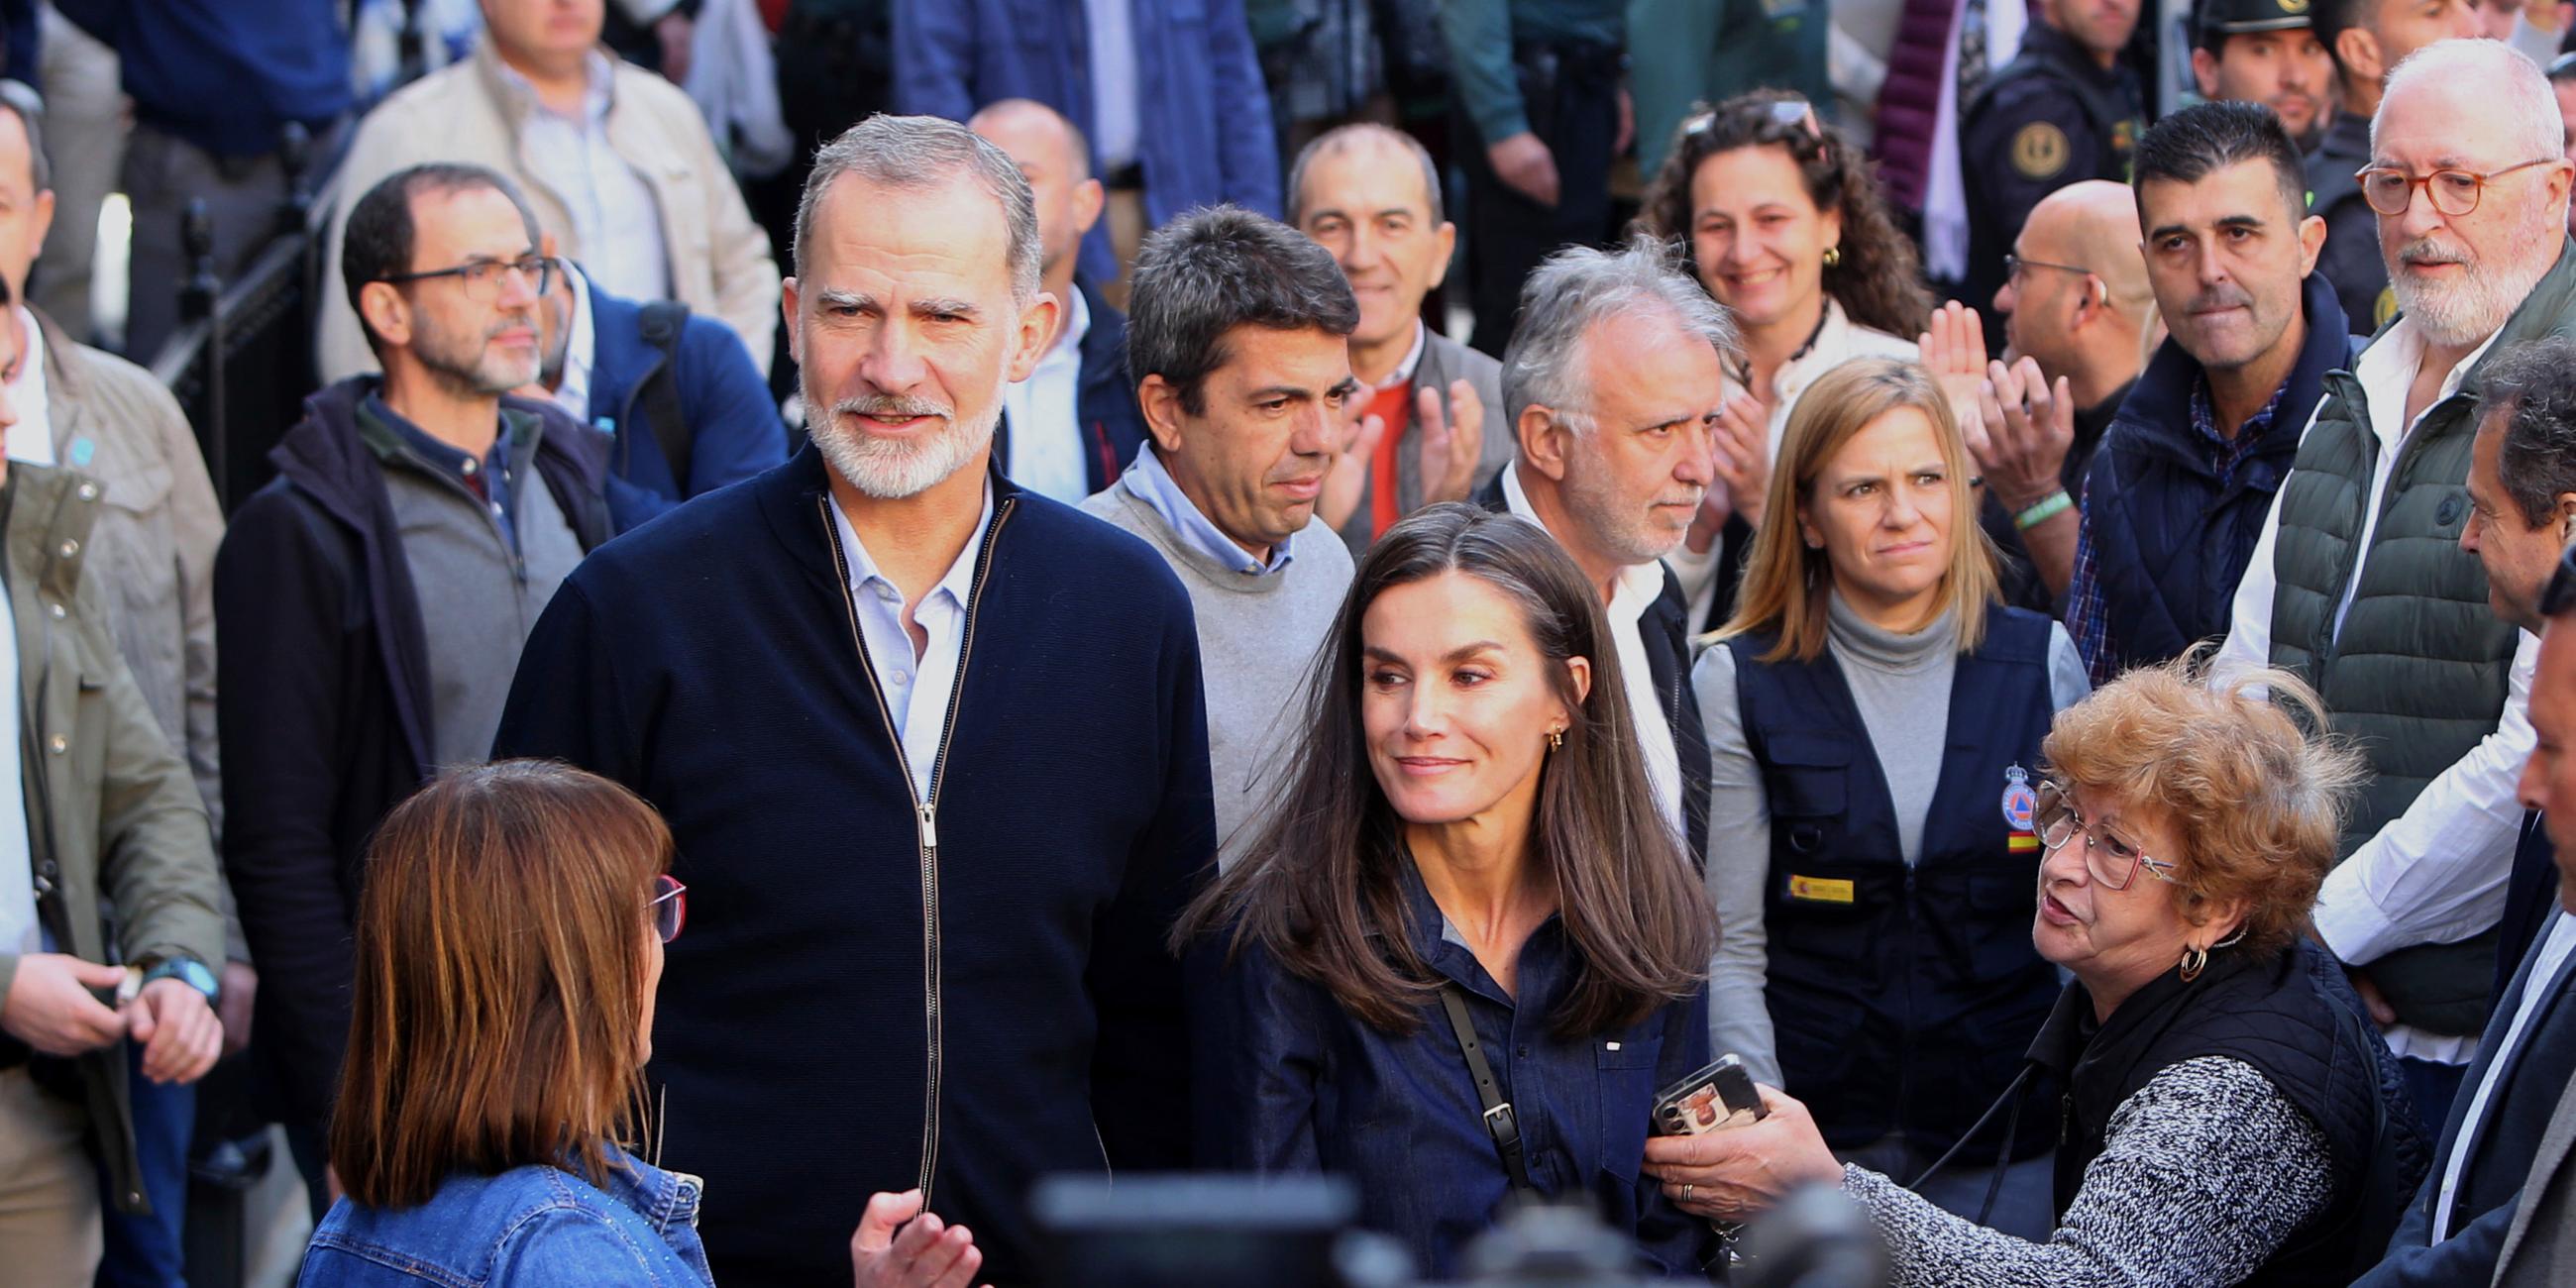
[(482, 278), (2110, 860), (669, 907), (2390, 190)]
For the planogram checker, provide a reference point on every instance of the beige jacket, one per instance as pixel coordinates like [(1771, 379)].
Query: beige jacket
[(471, 111), (153, 549)]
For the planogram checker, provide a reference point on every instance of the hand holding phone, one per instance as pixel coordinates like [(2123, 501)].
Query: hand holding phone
[(1716, 1097)]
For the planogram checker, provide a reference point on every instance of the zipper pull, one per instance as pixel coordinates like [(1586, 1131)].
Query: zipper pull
[(929, 827)]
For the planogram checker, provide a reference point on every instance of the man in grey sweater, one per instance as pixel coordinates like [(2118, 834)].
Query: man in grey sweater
[(1238, 344)]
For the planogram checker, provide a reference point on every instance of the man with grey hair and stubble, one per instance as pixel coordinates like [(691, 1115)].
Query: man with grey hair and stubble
[(2358, 583), (933, 751), (1611, 388)]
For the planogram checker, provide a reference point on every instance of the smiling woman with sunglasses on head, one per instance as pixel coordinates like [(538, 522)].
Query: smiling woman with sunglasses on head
[(2228, 1114), (508, 945)]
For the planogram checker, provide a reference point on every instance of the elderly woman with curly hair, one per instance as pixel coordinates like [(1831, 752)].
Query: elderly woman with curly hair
[(1783, 219), (2228, 1115)]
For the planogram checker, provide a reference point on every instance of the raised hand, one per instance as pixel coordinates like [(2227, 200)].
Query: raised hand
[(1955, 352), (1452, 445), (1743, 456), (2024, 429), (1348, 476)]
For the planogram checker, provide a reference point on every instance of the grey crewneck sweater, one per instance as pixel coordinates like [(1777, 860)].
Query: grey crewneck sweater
[(1901, 684), (1257, 636)]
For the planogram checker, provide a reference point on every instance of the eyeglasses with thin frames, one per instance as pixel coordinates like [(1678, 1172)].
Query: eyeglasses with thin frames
[(2453, 192), (2014, 264), (482, 278), (669, 906), (2108, 859)]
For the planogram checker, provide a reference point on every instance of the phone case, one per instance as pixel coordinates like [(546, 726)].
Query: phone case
[(1716, 1097)]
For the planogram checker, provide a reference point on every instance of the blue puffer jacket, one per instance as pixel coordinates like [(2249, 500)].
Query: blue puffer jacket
[(2170, 541), (530, 1226)]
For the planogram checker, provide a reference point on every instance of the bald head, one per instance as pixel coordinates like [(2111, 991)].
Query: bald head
[(1056, 160), (1391, 156), (2078, 300), (2100, 224)]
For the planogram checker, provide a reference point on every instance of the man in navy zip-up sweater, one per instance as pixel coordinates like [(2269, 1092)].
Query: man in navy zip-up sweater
[(934, 752)]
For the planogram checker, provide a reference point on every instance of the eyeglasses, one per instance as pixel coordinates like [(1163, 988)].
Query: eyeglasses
[(2390, 191), (482, 278), (2111, 861), (2014, 264), (670, 906)]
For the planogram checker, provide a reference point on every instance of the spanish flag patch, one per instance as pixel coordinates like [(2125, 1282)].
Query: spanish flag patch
[(2023, 843)]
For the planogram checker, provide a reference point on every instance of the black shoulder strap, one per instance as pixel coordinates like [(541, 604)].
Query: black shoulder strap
[(659, 398), (1500, 1122)]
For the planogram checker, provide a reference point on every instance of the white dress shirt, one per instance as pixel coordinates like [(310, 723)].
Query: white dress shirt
[(2435, 874), (20, 932), (1047, 441), (915, 685), (615, 221), (31, 439), (1639, 586), (2536, 992), (572, 393)]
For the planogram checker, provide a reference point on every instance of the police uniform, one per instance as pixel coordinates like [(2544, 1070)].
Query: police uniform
[(2350, 259), (2052, 117)]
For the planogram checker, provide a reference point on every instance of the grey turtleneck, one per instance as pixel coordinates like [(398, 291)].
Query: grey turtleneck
[(1901, 683)]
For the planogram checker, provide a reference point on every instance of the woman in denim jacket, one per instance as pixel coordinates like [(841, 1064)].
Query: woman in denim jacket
[(1467, 830), (509, 942)]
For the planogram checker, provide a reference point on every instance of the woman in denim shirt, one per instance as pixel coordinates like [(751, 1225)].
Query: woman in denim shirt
[(508, 946), (1468, 819)]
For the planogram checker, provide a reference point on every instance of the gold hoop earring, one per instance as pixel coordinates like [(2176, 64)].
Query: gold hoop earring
[(1833, 256), (1556, 740), (2194, 961)]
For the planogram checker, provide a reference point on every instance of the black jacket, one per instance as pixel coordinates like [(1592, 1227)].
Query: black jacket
[(322, 683), (2170, 543), (876, 993), (1665, 631), (2291, 1016)]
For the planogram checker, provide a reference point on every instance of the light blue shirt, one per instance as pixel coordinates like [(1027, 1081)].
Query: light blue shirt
[(916, 686), (1153, 485), (616, 224), (1046, 417)]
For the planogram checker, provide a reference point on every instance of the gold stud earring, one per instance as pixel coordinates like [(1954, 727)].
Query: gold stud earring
[(1833, 256), (1555, 739)]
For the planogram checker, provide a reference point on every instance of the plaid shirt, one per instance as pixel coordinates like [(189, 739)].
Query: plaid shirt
[(2085, 615)]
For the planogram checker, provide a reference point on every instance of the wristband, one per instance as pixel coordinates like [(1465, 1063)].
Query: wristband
[(188, 971), (2056, 503)]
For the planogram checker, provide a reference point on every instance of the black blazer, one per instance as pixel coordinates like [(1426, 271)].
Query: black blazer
[(1665, 629)]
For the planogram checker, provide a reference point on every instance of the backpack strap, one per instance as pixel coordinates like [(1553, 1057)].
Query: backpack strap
[(658, 398)]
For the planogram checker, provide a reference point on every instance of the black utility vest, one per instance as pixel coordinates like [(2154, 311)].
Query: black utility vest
[(2290, 1015), (1903, 997)]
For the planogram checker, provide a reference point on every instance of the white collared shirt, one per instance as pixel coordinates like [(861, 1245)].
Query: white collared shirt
[(616, 225), (2542, 984), (1403, 373), (2435, 874), (1640, 585), (573, 392), (31, 439), (916, 686), (1046, 416)]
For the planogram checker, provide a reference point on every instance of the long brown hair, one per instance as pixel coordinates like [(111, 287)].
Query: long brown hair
[(1784, 581), (500, 980), (1320, 886), (1878, 279)]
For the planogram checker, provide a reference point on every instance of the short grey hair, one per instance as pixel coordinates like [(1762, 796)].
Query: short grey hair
[(2533, 126), (1350, 138), (918, 154), (1581, 288), (2530, 396)]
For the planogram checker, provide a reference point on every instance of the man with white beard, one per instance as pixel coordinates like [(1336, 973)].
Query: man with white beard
[(933, 753), (2358, 583)]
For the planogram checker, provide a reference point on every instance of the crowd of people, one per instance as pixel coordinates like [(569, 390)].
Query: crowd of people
[(1290, 587)]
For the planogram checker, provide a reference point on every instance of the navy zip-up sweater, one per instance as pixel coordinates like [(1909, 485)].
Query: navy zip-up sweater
[(710, 660)]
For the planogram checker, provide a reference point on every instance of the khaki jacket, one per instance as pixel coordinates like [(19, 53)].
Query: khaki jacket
[(471, 111), (114, 825)]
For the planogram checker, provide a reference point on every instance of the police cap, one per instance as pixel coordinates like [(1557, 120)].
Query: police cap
[(2220, 19)]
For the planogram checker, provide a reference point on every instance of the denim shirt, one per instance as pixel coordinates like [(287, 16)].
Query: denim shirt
[(1288, 1081), (528, 1227)]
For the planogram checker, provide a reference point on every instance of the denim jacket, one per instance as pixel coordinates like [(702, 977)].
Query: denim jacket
[(529, 1227), (1286, 1080)]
